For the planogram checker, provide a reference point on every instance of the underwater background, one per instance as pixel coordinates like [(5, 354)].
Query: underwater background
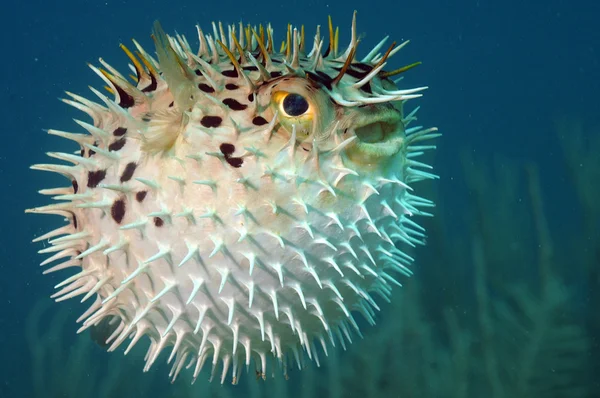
[(505, 299)]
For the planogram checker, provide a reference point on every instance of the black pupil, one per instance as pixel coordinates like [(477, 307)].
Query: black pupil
[(295, 104)]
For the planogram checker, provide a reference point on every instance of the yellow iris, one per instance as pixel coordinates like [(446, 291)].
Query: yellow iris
[(304, 122)]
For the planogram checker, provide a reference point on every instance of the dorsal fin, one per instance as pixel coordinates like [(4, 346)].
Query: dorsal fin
[(179, 77)]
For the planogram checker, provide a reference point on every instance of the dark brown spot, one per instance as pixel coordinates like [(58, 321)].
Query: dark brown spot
[(367, 88), (158, 222), (365, 67), (357, 74), (254, 68), (259, 121), (152, 86), (231, 86), (317, 78), (206, 88), (235, 162), (171, 104), (91, 152), (120, 131), (125, 100), (275, 74), (94, 178), (75, 186), (230, 73), (227, 149), (324, 75), (140, 196), (198, 73), (211, 121), (117, 211), (117, 145), (128, 172), (251, 97), (234, 104), (73, 219)]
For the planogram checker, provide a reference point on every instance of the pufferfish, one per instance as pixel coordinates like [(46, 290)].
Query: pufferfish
[(239, 205)]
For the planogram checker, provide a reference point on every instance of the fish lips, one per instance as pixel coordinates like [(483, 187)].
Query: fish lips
[(380, 134)]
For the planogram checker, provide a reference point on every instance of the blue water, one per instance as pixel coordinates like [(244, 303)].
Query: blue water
[(501, 74)]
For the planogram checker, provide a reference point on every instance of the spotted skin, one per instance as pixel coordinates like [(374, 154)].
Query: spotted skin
[(208, 214)]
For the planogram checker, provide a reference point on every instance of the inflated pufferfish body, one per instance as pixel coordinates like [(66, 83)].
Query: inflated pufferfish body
[(239, 203)]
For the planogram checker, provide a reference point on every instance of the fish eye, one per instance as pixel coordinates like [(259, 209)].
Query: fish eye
[(295, 112), (294, 105)]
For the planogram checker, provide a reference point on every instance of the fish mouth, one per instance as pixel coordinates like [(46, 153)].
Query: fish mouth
[(379, 135)]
